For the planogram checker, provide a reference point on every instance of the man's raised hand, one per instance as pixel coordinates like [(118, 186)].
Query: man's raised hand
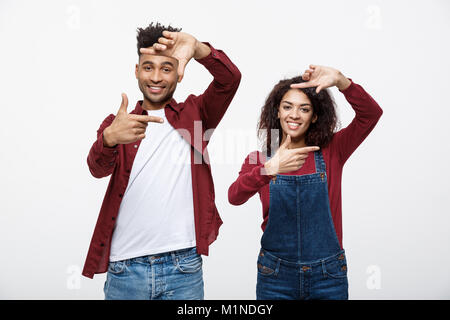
[(179, 45), (127, 128)]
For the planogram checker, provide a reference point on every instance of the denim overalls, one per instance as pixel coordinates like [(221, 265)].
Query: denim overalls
[(301, 257)]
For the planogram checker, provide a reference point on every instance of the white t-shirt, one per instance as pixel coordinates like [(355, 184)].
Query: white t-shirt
[(156, 214)]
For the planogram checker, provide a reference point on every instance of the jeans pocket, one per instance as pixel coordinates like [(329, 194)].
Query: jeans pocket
[(335, 269), (266, 267), (189, 264), (116, 267)]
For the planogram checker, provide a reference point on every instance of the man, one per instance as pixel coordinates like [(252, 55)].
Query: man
[(158, 215)]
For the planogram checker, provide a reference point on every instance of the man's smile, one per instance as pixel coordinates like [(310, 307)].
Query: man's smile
[(155, 89)]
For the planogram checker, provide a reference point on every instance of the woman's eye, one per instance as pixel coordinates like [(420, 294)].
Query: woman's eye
[(305, 110), (286, 107)]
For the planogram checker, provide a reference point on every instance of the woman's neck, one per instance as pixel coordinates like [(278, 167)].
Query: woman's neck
[(295, 143)]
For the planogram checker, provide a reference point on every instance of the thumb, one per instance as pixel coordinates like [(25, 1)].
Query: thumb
[(181, 66), (319, 88), (124, 104), (286, 142)]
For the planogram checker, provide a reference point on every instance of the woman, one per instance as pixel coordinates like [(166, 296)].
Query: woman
[(301, 254)]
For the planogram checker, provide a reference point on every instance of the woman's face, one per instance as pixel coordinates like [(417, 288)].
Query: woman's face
[(296, 114)]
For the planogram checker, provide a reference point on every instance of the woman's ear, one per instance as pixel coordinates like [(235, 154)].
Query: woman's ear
[(314, 119)]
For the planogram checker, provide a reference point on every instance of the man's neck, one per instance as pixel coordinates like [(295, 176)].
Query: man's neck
[(148, 105)]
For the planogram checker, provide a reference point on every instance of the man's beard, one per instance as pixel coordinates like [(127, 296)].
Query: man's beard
[(162, 99)]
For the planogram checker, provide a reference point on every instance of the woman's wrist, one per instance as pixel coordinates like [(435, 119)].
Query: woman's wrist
[(269, 169), (343, 82)]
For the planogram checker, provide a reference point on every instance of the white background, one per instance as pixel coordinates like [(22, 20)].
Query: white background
[(64, 64)]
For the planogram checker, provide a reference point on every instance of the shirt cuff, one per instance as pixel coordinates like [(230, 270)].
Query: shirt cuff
[(261, 175), (350, 88), (213, 57), (107, 151)]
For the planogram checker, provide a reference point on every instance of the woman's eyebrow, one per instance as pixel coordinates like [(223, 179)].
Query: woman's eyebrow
[(301, 105)]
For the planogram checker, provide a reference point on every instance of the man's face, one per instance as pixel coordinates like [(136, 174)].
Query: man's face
[(157, 77)]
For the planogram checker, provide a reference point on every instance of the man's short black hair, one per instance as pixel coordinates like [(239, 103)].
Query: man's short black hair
[(150, 35)]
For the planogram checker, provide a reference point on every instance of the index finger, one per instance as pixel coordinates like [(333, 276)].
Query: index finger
[(149, 50), (302, 85), (144, 118), (169, 34), (306, 149)]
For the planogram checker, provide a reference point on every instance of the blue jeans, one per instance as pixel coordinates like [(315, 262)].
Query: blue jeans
[(173, 275), (325, 279)]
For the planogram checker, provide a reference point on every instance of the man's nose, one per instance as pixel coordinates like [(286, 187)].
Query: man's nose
[(155, 77)]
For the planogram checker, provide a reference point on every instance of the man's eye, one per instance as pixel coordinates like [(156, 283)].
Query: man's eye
[(148, 68)]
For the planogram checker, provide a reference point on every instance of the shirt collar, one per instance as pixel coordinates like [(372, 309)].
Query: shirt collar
[(139, 110)]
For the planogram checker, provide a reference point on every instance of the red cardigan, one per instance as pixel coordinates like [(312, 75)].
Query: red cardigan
[(192, 117), (342, 145)]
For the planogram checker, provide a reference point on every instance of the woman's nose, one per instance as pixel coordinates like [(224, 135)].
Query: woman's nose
[(294, 114)]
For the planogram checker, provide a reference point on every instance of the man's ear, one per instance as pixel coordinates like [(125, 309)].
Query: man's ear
[(136, 71)]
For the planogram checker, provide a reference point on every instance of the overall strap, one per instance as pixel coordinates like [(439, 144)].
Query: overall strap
[(320, 163)]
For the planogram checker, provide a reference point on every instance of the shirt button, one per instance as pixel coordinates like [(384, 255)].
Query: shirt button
[(135, 146), (113, 218), (115, 151), (120, 195), (128, 171), (111, 163), (102, 244), (214, 54)]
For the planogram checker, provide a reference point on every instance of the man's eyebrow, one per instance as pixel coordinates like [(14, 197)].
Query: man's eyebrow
[(301, 105), (152, 63)]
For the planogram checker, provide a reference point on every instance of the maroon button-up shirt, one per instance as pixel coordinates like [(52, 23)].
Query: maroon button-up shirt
[(195, 119)]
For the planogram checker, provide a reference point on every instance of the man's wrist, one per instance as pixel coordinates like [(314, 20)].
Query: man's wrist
[(107, 140), (201, 50)]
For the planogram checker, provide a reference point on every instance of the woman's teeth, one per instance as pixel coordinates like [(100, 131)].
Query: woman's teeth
[(293, 125)]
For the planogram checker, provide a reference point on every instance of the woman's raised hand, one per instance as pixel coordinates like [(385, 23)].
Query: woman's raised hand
[(322, 77), (286, 160)]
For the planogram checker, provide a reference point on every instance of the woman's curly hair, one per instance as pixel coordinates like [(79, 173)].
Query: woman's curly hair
[(318, 134)]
